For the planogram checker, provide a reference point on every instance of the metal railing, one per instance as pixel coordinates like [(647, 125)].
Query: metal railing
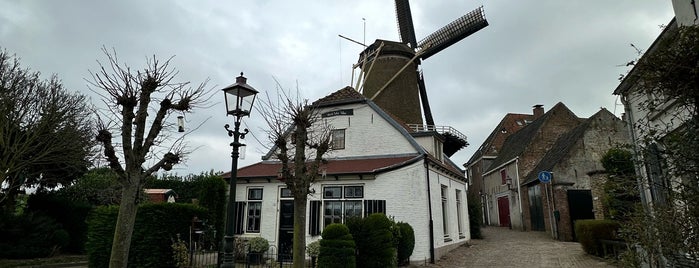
[(439, 129)]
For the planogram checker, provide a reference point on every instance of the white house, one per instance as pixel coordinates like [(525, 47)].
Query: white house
[(378, 165)]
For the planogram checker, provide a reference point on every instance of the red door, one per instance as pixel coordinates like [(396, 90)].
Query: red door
[(504, 211)]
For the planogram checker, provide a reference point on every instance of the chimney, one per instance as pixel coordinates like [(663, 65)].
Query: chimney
[(538, 110)]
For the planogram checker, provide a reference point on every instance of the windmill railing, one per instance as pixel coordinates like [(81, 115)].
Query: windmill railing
[(439, 129)]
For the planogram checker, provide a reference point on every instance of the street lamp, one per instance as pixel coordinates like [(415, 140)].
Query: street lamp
[(239, 99)]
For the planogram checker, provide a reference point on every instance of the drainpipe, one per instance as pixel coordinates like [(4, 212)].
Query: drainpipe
[(429, 208), (519, 193), (634, 139)]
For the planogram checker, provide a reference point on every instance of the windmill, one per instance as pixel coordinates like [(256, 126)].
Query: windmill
[(392, 77)]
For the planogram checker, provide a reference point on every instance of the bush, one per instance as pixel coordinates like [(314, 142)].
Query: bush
[(258, 244), (406, 242), (336, 247), (475, 216), (155, 227), (590, 232), (375, 242), (313, 248), (30, 235), (71, 215)]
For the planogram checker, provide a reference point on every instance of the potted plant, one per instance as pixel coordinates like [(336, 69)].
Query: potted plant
[(257, 246), (313, 249)]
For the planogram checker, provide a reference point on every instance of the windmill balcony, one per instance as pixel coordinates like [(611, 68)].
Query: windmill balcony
[(453, 139)]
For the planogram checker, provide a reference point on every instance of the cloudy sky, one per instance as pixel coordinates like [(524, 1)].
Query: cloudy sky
[(533, 52)]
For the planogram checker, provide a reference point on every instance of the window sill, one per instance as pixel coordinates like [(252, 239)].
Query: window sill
[(462, 236), (447, 239)]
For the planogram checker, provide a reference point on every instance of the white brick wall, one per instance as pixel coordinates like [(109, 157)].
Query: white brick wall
[(404, 189)]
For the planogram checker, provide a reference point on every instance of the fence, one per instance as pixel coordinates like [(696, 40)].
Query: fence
[(204, 254)]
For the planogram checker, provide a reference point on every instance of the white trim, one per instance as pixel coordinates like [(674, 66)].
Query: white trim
[(500, 166)]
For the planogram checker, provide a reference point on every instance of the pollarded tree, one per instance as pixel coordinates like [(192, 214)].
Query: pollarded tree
[(301, 140), (139, 103), (45, 131)]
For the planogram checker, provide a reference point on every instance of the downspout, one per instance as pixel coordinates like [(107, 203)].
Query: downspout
[(519, 194), (634, 139), (429, 208)]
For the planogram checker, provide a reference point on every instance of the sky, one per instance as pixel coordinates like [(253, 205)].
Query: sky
[(533, 52)]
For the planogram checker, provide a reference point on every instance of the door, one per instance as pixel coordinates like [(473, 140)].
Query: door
[(286, 229), (504, 211), (580, 206), (536, 209)]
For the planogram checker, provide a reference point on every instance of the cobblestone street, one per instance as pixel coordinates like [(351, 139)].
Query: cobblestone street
[(502, 247)]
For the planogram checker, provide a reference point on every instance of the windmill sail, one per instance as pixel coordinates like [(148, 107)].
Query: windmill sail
[(452, 32), (405, 23)]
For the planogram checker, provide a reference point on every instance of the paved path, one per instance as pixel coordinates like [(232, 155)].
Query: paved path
[(502, 247)]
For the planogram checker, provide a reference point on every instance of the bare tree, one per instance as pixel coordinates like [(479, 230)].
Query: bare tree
[(45, 131), (300, 141), (668, 79), (131, 97)]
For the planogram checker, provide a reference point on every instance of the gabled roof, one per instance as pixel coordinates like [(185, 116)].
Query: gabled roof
[(517, 143), (333, 167), (563, 146), (343, 96), (510, 124)]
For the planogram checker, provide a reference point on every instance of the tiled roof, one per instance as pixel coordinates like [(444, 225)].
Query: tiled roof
[(510, 124), (344, 95), (559, 150), (563, 146), (516, 143), (270, 169)]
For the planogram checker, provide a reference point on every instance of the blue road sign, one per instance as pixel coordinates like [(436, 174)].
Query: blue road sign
[(545, 176)]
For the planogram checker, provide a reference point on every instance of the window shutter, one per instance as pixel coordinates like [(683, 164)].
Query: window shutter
[(314, 218), (239, 217), (374, 206)]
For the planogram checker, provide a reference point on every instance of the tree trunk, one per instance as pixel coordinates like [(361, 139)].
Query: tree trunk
[(299, 248), (125, 224)]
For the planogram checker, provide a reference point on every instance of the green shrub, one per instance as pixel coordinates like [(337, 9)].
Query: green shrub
[(208, 188), (589, 233), (313, 248), (375, 242), (475, 216), (336, 247), (70, 214), (30, 235), (406, 242), (258, 244), (155, 227)]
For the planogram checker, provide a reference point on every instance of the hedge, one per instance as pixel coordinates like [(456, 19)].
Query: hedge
[(590, 232), (71, 215), (156, 226), (336, 247), (406, 242), (375, 242)]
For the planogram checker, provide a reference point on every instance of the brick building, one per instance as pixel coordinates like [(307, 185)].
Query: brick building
[(560, 143)]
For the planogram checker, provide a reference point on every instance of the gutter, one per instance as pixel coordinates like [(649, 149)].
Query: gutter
[(634, 139)]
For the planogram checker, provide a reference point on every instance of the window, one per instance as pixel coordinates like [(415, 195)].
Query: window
[(459, 216), (338, 139), (285, 193), (254, 210), (341, 203), (334, 192), (445, 217), (354, 191), (239, 217), (503, 176)]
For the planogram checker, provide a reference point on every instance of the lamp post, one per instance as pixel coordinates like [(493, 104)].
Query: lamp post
[(239, 99)]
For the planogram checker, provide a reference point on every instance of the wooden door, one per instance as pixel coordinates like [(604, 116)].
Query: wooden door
[(504, 211)]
